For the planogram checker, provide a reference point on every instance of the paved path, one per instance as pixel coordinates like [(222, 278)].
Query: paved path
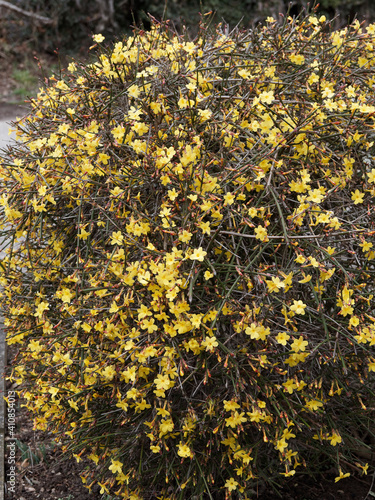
[(4, 132)]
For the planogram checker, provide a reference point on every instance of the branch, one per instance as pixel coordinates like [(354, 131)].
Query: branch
[(42, 19), (281, 236)]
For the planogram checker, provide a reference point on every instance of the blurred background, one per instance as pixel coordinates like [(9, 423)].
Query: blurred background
[(36, 33)]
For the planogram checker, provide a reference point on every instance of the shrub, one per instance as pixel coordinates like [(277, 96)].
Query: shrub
[(191, 270)]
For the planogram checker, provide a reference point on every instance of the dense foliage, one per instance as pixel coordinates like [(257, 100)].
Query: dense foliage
[(191, 270)]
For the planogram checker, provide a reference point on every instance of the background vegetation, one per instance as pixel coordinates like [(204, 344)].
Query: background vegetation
[(71, 21)]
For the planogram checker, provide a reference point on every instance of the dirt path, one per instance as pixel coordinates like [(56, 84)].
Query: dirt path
[(10, 111)]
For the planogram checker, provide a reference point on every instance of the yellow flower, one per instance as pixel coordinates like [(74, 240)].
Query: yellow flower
[(315, 195), (230, 405), (86, 327), (133, 91), (116, 191), (288, 473), (275, 284), (281, 444), (185, 236), (109, 372), (261, 233), (341, 476), (305, 279), (231, 484), (210, 343), (371, 176), (35, 346), (117, 238), (253, 330), (83, 234), (297, 58), (172, 194), (184, 450), (198, 254), (299, 344), (205, 227), (235, 419), (363, 467), (354, 321), (298, 307), (335, 438), (141, 405), (43, 306), (313, 404), (116, 466), (208, 275), (65, 295), (162, 382), (346, 309), (140, 128), (93, 457), (53, 391), (366, 245), (357, 197), (290, 385), (118, 132), (229, 199), (166, 426), (103, 488), (266, 97), (245, 74), (98, 38), (282, 338), (149, 325), (205, 114), (193, 197)]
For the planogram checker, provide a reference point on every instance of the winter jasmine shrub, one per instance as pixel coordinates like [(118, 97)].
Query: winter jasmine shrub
[(190, 277)]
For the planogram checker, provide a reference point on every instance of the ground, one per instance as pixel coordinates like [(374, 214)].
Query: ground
[(41, 472), (21, 79), (11, 102)]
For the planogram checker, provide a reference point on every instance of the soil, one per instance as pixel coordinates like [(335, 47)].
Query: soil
[(10, 111)]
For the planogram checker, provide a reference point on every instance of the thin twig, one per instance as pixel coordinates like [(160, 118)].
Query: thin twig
[(282, 237), (370, 490)]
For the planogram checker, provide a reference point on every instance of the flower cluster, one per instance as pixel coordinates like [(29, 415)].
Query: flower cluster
[(191, 269)]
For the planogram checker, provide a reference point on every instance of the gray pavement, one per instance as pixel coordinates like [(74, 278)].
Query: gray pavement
[(4, 132)]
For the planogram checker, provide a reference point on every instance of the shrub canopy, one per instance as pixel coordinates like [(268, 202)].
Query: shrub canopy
[(191, 274)]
